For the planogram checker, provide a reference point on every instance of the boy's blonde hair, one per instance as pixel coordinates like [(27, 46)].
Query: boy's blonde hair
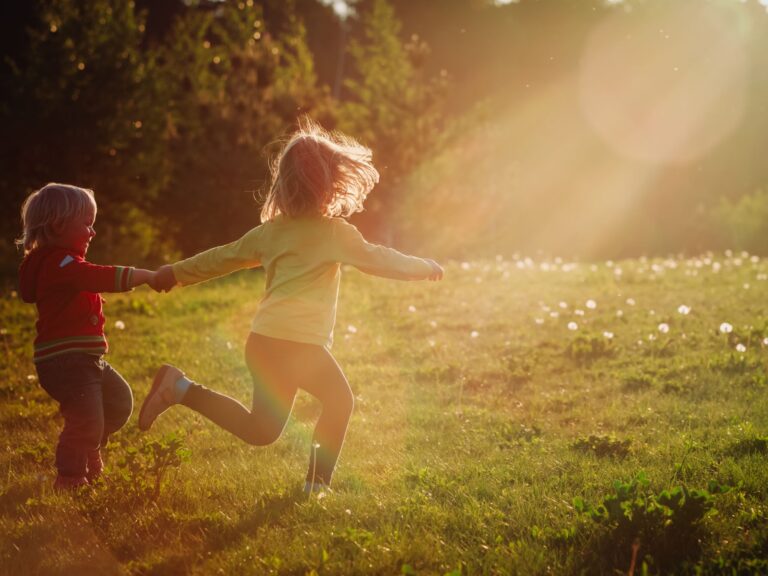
[(319, 173), (51, 207)]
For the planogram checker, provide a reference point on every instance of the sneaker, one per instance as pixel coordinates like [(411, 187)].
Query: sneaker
[(95, 465), (161, 397), (66, 483)]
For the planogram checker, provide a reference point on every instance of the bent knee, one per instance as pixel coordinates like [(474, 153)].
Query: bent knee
[(261, 436)]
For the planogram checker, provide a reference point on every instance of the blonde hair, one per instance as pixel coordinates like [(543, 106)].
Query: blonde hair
[(318, 172), (50, 207)]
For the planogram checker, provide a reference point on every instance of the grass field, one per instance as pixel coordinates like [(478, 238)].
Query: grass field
[(518, 418)]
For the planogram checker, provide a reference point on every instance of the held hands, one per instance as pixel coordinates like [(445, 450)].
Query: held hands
[(163, 279), (437, 270)]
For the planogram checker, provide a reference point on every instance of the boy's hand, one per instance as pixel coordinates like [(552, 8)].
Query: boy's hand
[(164, 279), (437, 270)]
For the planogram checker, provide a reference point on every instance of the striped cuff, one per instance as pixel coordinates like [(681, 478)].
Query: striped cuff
[(123, 278)]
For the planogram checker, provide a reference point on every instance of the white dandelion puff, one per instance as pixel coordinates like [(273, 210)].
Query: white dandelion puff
[(741, 348), (573, 326), (683, 309), (631, 302), (608, 335), (352, 329), (664, 328), (591, 304), (411, 308), (726, 328), (120, 325), (474, 334), (578, 312)]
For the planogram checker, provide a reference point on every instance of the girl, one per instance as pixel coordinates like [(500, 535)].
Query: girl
[(95, 400), (318, 178)]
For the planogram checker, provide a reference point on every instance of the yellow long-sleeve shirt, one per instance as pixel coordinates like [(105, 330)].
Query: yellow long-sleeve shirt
[(301, 257)]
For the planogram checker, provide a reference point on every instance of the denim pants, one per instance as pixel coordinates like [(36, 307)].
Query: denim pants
[(94, 400), (279, 368)]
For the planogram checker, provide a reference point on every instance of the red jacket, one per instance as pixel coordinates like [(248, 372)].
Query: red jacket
[(66, 289)]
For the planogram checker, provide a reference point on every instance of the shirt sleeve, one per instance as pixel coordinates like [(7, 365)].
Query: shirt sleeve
[(353, 249), (68, 270), (221, 260)]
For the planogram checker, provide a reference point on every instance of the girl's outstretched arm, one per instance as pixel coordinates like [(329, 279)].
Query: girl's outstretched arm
[(219, 261), (352, 248)]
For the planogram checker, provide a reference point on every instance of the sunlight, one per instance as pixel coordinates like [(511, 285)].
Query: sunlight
[(669, 86)]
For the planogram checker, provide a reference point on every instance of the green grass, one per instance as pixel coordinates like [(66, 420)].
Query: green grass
[(483, 441)]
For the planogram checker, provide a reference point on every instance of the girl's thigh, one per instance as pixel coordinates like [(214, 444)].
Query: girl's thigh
[(280, 367)]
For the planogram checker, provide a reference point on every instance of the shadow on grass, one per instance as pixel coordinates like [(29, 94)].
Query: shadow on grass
[(213, 537)]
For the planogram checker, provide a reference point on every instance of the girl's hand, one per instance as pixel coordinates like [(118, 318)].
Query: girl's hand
[(437, 270)]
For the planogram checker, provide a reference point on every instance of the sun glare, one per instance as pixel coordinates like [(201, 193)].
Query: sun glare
[(669, 86)]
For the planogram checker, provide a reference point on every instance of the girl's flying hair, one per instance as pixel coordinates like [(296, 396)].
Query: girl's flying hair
[(50, 207), (319, 172)]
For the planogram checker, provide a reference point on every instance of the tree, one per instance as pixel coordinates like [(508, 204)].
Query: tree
[(391, 106), (81, 110), (232, 87)]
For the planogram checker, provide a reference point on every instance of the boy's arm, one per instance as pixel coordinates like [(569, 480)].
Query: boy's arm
[(71, 271), (380, 260), (141, 276)]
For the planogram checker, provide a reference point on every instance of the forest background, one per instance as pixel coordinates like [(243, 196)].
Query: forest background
[(490, 121)]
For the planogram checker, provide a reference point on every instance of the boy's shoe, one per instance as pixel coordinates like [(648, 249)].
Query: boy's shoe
[(161, 396), (66, 483), (95, 465)]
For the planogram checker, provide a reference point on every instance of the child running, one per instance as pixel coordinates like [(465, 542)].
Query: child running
[(318, 179), (94, 399)]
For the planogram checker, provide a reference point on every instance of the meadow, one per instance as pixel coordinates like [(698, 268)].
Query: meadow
[(520, 417)]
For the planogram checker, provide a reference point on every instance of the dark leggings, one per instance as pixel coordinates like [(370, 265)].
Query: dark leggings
[(279, 368)]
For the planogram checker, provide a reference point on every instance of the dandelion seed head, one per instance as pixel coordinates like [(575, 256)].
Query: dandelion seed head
[(573, 326), (741, 348), (664, 328), (120, 325), (608, 335), (683, 309), (726, 328), (352, 329), (591, 304), (411, 308), (474, 334), (631, 302)]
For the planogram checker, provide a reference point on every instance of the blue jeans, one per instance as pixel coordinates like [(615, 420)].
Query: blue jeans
[(94, 400)]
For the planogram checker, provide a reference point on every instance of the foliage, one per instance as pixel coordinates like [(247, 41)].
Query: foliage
[(603, 446), (393, 106), (743, 221), (141, 471), (665, 524), (586, 348), (83, 108), (232, 87)]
